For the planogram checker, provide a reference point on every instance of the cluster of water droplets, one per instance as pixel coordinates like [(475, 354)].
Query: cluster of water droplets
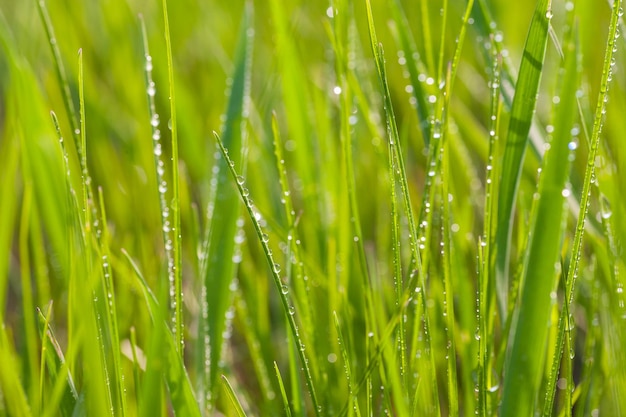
[(162, 186)]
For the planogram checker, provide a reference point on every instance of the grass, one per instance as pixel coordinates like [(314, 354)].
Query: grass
[(344, 208)]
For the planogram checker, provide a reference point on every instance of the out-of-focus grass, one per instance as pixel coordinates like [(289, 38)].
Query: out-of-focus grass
[(388, 240)]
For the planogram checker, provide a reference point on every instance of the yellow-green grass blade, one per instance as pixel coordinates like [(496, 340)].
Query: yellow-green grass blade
[(524, 367), (62, 79), (176, 278), (415, 66), (9, 158), (283, 393), (111, 311), (219, 269), (232, 396), (28, 307), (522, 111), (159, 164), (13, 394), (53, 360), (486, 283), (29, 139), (394, 140), (164, 360), (288, 308)]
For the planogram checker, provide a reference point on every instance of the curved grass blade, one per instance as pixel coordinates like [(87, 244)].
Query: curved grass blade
[(275, 269), (176, 287), (233, 397), (525, 365), (517, 138)]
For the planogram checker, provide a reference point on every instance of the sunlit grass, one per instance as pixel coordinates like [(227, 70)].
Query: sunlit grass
[(344, 208)]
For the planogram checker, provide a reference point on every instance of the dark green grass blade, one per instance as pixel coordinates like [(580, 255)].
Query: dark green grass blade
[(219, 269), (525, 365), (522, 112)]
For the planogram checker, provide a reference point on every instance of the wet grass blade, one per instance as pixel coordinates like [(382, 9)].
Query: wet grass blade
[(486, 287), (287, 306), (176, 285), (525, 365), (166, 359), (53, 360), (219, 246), (522, 112)]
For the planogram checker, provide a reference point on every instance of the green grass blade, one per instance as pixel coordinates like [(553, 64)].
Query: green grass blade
[(166, 360), (159, 164), (283, 393), (28, 305), (525, 365), (53, 360), (522, 112), (62, 79), (219, 246), (13, 393), (233, 397), (176, 280), (486, 287), (414, 66), (594, 142), (110, 306), (288, 308)]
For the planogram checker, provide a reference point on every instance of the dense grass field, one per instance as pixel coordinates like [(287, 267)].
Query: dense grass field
[(312, 208)]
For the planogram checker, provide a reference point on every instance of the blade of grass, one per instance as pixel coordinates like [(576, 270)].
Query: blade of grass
[(13, 392), (219, 245), (233, 397), (53, 360), (167, 361), (525, 364), (522, 111), (415, 66), (283, 393), (288, 308), (176, 284), (110, 305), (394, 140), (28, 306), (486, 288)]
